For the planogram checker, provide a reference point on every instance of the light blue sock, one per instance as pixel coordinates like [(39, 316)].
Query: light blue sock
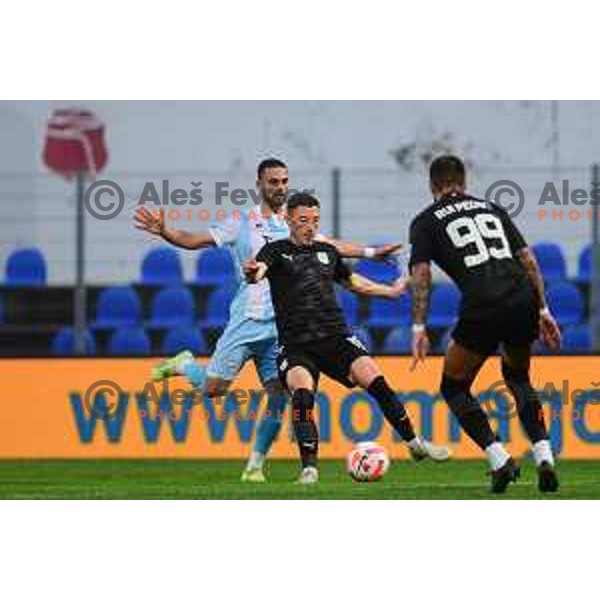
[(196, 373), (270, 425)]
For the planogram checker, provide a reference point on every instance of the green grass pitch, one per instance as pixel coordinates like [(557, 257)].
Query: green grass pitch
[(188, 479)]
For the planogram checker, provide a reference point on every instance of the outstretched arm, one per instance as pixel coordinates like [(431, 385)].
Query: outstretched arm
[(549, 328), (154, 223), (361, 285), (351, 250)]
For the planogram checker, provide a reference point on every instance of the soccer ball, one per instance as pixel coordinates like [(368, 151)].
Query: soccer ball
[(367, 461)]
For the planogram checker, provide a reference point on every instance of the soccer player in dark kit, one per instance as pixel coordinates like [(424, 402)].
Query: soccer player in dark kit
[(313, 335), (503, 304)]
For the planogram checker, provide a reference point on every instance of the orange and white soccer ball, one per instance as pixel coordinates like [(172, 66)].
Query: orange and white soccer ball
[(367, 461)]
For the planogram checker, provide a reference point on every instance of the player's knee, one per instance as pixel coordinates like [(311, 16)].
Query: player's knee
[(364, 371), (299, 378)]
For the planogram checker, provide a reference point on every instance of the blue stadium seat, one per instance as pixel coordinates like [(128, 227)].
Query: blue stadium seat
[(172, 306), (26, 267), (577, 338), (217, 309), (445, 301), (444, 340), (398, 341), (566, 303), (389, 313), (541, 349), (162, 266), (129, 341), (584, 272), (184, 338), (364, 335), (377, 270), (349, 304), (118, 306), (551, 261), (63, 343), (215, 266)]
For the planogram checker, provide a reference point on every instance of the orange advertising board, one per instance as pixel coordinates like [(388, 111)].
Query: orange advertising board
[(45, 412)]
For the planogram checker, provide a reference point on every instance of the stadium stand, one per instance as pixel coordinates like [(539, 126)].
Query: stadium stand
[(577, 338), (444, 340), (172, 306), (566, 303), (63, 343), (129, 341), (118, 306), (217, 311), (398, 341), (26, 267), (165, 290), (215, 267), (444, 304), (389, 313), (184, 338), (350, 305), (551, 261), (584, 271), (380, 271), (162, 266)]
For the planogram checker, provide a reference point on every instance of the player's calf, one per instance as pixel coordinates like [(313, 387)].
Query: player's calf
[(531, 416), (396, 415), (475, 423), (528, 401), (305, 429)]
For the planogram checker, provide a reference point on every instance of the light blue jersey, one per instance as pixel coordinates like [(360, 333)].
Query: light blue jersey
[(251, 331)]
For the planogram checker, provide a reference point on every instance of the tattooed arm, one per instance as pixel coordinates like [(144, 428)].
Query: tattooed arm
[(549, 329), (528, 260), (421, 291)]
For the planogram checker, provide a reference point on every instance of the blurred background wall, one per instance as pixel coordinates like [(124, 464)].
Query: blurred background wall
[(380, 147)]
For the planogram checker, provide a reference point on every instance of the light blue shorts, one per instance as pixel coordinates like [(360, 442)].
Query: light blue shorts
[(241, 341)]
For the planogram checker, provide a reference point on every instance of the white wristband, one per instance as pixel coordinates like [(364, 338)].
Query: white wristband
[(545, 312), (418, 327), (369, 252)]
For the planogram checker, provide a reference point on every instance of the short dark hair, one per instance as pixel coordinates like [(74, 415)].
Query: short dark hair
[(270, 163), (446, 171), (302, 199)]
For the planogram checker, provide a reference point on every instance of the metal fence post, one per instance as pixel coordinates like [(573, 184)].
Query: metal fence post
[(335, 195), (79, 304)]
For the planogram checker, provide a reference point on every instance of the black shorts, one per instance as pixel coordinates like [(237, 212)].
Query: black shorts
[(516, 323), (332, 356)]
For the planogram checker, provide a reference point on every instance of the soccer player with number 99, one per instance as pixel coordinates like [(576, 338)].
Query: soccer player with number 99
[(503, 304)]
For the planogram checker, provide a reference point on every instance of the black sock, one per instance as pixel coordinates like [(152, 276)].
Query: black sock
[(467, 410), (392, 408), (528, 402), (303, 402)]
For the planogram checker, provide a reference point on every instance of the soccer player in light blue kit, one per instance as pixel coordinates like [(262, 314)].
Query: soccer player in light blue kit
[(251, 332)]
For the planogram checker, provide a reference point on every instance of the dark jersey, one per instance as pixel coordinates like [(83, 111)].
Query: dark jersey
[(475, 243), (302, 288)]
